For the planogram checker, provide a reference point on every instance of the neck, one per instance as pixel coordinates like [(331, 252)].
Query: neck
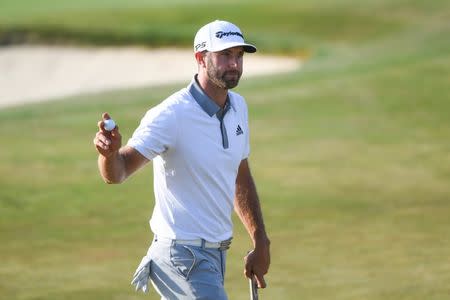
[(217, 94)]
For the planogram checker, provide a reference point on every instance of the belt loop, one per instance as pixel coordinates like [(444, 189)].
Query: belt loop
[(203, 243)]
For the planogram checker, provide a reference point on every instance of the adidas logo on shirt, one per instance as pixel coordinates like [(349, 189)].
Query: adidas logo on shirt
[(239, 130)]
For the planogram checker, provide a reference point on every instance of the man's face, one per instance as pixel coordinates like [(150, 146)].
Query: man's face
[(224, 68)]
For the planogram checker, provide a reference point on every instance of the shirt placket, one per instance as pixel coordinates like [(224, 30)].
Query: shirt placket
[(223, 130)]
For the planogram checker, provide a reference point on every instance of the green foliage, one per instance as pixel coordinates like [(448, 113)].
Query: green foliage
[(350, 154)]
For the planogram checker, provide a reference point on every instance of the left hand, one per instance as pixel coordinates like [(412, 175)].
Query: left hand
[(257, 264)]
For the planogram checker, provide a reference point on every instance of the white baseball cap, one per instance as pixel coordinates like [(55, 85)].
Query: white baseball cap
[(219, 35)]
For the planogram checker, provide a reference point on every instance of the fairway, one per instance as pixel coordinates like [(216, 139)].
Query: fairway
[(350, 154)]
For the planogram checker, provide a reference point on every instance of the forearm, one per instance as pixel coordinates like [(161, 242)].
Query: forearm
[(248, 208), (112, 167)]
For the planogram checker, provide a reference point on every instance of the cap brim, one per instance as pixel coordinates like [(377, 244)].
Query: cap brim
[(247, 47)]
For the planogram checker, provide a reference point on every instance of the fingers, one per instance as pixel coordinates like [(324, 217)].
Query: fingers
[(115, 131), (248, 272), (255, 269), (101, 124), (260, 280), (107, 142), (101, 141)]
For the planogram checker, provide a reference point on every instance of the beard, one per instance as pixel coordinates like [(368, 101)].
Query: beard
[(225, 79)]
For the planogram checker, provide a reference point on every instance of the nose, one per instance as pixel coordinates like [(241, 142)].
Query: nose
[(234, 62)]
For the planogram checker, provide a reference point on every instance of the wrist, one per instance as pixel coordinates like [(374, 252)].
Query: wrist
[(261, 240), (110, 155)]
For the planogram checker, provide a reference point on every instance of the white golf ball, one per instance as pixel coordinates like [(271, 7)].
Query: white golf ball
[(109, 124)]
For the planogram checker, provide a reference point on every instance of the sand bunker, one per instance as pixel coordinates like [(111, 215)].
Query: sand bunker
[(38, 73)]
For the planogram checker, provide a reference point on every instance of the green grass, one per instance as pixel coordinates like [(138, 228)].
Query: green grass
[(292, 27), (350, 155)]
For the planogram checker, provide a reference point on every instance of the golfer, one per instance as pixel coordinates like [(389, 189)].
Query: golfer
[(198, 140)]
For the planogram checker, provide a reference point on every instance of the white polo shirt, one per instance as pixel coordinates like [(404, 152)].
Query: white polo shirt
[(195, 162)]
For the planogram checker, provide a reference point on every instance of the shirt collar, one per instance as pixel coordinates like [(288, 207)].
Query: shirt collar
[(206, 103)]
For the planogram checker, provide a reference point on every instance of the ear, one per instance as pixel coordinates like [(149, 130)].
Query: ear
[(200, 58)]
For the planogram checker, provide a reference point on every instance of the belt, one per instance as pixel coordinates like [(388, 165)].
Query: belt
[(223, 245)]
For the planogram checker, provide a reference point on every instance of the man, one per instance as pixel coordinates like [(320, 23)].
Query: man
[(198, 139)]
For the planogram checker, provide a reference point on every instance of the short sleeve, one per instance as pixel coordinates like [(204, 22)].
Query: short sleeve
[(156, 133)]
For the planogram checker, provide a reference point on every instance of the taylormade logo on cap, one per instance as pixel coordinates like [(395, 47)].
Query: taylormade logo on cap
[(220, 35)]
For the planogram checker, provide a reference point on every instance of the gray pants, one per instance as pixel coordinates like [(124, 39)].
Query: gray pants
[(180, 271)]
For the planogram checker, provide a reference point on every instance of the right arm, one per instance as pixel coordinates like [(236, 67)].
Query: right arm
[(115, 162)]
